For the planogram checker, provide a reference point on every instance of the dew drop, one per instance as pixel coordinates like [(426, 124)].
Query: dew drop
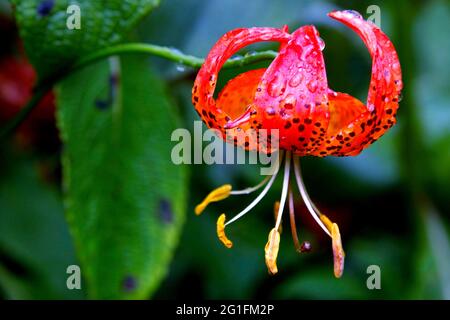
[(270, 111), (296, 79), (400, 96), (312, 86), (354, 13), (180, 68), (276, 87), (289, 102), (321, 43)]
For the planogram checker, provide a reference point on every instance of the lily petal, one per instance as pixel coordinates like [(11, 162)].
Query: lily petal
[(384, 90), (293, 91), (205, 83)]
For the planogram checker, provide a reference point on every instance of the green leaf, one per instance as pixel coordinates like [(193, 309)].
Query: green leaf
[(33, 235), (125, 198), (51, 45)]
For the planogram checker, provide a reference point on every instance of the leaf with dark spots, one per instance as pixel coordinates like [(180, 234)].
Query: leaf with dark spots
[(119, 180), (165, 211), (51, 46), (45, 7)]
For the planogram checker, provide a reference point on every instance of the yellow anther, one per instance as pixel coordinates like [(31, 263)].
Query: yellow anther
[(338, 251), (218, 194), (221, 231), (276, 208), (271, 250), (327, 222)]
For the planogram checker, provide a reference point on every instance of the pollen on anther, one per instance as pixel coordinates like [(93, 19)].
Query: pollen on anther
[(221, 231)]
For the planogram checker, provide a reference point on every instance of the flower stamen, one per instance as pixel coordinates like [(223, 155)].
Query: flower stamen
[(251, 189), (298, 246), (221, 231), (216, 195), (284, 191), (327, 225), (305, 196), (260, 196), (271, 251), (338, 251), (276, 207)]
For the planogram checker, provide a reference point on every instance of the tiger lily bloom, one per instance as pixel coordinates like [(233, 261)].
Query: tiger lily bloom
[(293, 97)]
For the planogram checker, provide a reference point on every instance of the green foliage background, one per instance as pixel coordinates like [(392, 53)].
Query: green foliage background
[(122, 207)]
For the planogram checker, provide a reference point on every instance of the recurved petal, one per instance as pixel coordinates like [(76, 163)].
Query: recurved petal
[(385, 85), (226, 46)]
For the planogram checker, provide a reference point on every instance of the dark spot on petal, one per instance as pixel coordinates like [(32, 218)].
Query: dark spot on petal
[(301, 127), (308, 121)]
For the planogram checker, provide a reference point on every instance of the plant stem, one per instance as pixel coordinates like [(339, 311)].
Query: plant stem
[(128, 48), (172, 54), (39, 93)]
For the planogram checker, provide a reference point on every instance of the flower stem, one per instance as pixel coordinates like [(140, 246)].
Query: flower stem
[(172, 54), (129, 48)]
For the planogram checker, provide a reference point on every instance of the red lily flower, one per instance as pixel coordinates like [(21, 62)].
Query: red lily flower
[(292, 96)]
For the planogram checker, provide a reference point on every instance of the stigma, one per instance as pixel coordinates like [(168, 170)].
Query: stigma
[(286, 200)]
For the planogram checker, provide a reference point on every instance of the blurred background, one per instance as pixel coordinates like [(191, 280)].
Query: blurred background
[(391, 202)]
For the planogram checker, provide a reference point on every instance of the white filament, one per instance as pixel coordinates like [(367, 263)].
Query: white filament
[(252, 189), (315, 213), (284, 191), (260, 196)]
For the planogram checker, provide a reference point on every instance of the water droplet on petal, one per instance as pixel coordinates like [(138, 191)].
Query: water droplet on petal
[(277, 86), (270, 111), (400, 97), (354, 13), (296, 79), (321, 43), (289, 102), (312, 86)]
